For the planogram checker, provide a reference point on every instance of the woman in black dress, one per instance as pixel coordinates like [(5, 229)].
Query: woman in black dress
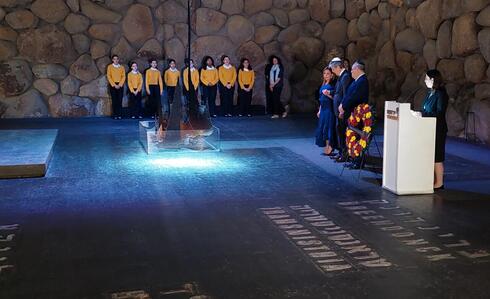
[(435, 105), (274, 77)]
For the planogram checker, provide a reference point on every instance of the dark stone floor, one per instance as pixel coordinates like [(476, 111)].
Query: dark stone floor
[(108, 219)]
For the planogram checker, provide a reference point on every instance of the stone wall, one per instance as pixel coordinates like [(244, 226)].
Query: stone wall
[(53, 53)]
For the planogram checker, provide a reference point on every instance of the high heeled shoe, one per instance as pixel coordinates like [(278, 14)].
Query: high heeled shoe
[(439, 188)]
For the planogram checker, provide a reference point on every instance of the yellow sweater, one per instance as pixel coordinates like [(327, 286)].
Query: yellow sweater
[(246, 78), (227, 75), (209, 77), (116, 75), (153, 78), (135, 81), (171, 78), (194, 78)]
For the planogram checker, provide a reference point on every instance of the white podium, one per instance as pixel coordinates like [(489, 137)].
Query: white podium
[(408, 150)]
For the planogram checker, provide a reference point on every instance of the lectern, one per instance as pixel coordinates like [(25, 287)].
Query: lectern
[(408, 150)]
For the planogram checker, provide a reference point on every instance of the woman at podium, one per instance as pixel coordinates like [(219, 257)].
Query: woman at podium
[(435, 105)]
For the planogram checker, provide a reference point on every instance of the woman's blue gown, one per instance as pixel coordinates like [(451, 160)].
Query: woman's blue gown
[(326, 122)]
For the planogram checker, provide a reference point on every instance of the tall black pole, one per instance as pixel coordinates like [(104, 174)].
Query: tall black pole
[(189, 77)]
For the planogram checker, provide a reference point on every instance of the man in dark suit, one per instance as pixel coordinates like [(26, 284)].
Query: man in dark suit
[(343, 82), (357, 93)]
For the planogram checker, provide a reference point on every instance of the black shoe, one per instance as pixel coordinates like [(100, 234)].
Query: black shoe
[(354, 166), (340, 159), (439, 188)]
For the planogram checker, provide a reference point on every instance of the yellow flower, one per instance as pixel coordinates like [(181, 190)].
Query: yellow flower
[(358, 119), (348, 133), (367, 129), (363, 143), (353, 138), (368, 115)]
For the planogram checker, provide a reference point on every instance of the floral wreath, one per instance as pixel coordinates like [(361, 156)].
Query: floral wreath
[(357, 134)]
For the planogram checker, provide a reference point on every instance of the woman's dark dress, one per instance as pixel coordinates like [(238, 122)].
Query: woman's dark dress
[(326, 122), (435, 105)]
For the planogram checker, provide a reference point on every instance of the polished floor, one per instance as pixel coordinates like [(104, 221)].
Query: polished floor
[(267, 217)]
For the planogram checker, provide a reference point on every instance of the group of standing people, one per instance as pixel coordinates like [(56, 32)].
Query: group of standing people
[(342, 90), (160, 87)]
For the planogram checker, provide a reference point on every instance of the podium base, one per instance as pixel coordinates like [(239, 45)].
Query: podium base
[(409, 192)]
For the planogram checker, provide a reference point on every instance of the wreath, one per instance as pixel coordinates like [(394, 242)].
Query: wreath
[(359, 128)]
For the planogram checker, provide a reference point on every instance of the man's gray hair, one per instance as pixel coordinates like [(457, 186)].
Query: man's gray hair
[(334, 64), (359, 66)]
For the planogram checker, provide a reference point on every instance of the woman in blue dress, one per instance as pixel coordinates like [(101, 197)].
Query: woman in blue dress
[(325, 132)]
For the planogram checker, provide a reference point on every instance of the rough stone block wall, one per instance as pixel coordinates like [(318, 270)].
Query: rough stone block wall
[(53, 53)]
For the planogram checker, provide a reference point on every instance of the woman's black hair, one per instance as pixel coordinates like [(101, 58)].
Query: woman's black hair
[(204, 62), (170, 60), (241, 67), (187, 61), (334, 78), (271, 59), (131, 63), (114, 55), (348, 66), (436, 75), (151, 60), (223, 58)]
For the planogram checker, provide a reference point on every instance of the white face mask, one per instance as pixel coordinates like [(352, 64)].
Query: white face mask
[(429, 82)]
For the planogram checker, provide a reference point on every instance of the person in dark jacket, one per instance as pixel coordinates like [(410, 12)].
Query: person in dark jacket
[(343, 82), (274, 75), (357, 93), (435, 105)]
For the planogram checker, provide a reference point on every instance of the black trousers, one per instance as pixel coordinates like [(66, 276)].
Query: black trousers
[(135, 104), (154, 101), (209, 96), (244, 100), (226, 99), (268, 99), (341, 127), (170, 94), (278, 108), (189, 103), (116, 97)]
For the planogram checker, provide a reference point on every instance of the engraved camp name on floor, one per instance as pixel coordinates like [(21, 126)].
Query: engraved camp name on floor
[(430, 240), (7, 242), (188, 290), (330, 247)]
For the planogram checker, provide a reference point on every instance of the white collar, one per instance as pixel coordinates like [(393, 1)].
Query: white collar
[(173, 69), (360, 76), (227, 67), (137, 72), (209, 67), (246, 70), (116, 65), (342, 72)]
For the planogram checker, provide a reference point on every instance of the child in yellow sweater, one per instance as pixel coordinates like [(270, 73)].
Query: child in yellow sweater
[(171, 79), (135, 85), (227, 78), (154, 87), (209, 83), (116, 76), (246, 80), (190, 94)]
